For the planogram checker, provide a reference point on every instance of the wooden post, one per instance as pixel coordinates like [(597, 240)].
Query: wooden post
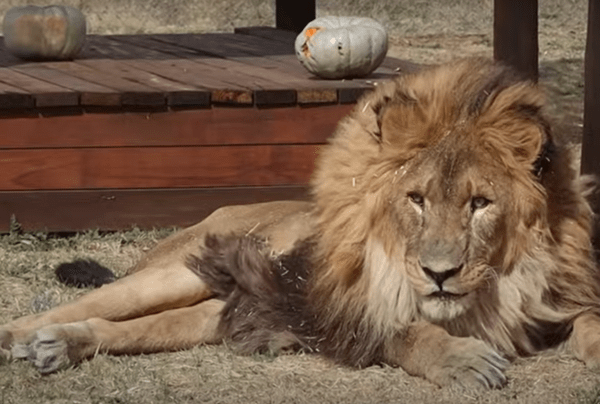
[(293, 15), (516, 35), (590, 154)]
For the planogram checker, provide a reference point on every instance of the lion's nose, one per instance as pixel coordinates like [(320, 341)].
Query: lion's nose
[(439, 276)]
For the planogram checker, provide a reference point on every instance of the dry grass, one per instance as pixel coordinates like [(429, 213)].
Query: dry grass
[(423, 31), (213, 374)]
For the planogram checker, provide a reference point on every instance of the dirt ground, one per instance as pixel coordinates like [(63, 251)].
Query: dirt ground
[(421, 31)]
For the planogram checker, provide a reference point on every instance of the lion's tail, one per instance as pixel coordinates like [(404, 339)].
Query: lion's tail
[(266, 309), (84, 273)]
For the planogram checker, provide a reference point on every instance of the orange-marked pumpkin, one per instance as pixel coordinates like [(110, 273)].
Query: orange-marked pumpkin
[(52, 32), (341, 47)]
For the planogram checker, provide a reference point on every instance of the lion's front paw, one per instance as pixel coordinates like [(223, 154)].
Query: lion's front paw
[(470, 363)]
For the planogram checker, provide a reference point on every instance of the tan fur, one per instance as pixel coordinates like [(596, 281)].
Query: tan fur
[(437, 243)]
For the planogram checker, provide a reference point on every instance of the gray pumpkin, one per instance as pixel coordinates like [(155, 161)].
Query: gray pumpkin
[(341, 47), (52, 32)]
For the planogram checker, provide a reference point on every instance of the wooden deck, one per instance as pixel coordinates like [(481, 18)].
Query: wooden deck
[(158, 130)]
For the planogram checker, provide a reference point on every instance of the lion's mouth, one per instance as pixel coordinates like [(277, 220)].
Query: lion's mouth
[(443, 295)]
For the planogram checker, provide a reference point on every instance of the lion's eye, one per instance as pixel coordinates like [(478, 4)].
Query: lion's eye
[(479, 202), (416, 198)]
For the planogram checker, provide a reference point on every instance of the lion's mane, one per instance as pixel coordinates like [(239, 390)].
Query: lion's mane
[(358, 293)]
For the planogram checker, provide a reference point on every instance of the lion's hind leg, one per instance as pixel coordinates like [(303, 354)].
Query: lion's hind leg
[(61, 345), (146, 292)]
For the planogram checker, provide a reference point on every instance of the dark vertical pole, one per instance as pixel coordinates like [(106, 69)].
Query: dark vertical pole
[(590, 153), (516, 35), (293, 15)]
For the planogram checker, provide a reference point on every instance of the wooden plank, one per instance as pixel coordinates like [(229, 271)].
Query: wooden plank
[(267, 64), (61, 211), (294, 15), (149, 41), (258, 46), (223, 90), (301, 78), (269, 87), (211, 44), (590, 163), (156, 167), (232, 89), (14, 98), (242, 49), (104, 47), (171, 89), (516, 35), (207, 83), (44, 94), (275, 61), (191, 91), (133, 73), (205, 127), (131, 93), (308, 85), (185, 71), (90, 93), (261, 71), (275, 34)]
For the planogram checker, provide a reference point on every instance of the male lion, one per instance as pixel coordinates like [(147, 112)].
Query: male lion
[(447, 234)]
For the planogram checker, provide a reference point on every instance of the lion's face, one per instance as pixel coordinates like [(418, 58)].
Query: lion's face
[(429, 195), (455, 201)]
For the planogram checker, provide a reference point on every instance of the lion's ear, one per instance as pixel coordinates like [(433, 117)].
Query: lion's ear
[(513, 121)]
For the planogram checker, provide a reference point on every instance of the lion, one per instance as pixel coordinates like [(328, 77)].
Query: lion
[(446, 234)]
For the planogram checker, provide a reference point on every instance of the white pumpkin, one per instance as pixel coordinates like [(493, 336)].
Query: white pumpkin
[(342, 47), (52, 32)]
